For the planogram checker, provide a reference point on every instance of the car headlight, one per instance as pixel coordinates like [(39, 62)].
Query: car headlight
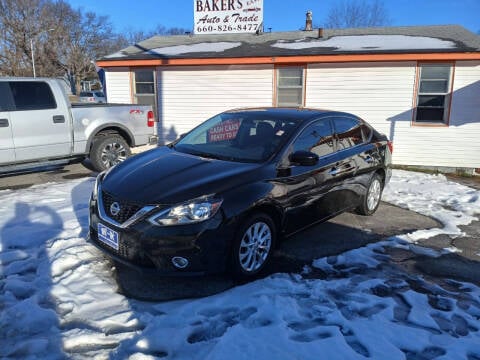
[(193, 211)]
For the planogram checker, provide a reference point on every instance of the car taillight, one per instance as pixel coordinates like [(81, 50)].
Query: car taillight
[(390, 146), (150, 118)]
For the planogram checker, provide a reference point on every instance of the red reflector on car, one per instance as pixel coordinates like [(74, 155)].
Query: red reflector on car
[(150, 119), (390, 146)]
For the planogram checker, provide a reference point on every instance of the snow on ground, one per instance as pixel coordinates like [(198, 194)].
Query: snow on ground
[(370, 42), (58, 298)]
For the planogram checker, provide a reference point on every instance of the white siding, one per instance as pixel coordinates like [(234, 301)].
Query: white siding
[(377, 92), (118, 85), (382, 94), (190, 95), (457, 145)]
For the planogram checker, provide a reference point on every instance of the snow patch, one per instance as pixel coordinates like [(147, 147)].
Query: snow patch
[(370, 42), (59, 299), (194, 48)]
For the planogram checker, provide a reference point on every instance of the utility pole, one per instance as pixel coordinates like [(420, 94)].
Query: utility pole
[(33, 50)]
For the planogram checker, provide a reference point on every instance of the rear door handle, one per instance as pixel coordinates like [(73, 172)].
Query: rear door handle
[(58, 119), (4, 123)]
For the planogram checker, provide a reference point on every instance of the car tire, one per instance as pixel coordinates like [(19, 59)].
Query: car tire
[(108, 150), (253, 246), (371, 200)]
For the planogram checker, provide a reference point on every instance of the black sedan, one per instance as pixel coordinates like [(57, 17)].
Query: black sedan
[(221, 196)]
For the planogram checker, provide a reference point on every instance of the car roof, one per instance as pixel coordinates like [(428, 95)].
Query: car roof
[(291, 113)]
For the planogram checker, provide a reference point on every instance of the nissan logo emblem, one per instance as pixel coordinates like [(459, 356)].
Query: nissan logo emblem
[(115, 208)]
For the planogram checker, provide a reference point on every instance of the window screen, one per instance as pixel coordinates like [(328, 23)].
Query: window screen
[(433, 93), (144, 82), (32, 95), (290, 86)]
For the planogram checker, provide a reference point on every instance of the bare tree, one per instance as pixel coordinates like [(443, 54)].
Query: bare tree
[(357, 13), (19, 26), (65, 41), (79, 39)]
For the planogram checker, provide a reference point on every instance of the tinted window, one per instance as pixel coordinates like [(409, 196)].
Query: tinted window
[(99, 94), (348, 132), (6, 100), (86, 94), (32, 95), (317, 138)]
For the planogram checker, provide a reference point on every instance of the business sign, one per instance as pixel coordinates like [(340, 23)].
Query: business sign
[(226, 130), (227, 16)]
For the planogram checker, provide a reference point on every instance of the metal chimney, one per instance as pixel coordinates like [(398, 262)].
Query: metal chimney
[(308, 21)]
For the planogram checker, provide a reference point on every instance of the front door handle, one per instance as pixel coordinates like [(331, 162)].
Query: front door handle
[(4, 123), (58, 119)]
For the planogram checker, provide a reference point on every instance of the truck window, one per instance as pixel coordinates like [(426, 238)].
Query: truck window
[(32, 95), (6, 100)]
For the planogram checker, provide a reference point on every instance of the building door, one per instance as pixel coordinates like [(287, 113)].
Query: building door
[(145, 89)]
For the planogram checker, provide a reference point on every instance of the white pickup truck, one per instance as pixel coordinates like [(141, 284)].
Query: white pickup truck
[(39, 126)]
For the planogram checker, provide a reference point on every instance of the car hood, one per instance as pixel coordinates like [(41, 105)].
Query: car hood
[(166, 176)]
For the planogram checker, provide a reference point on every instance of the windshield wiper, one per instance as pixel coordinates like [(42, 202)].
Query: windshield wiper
[(207, 155)]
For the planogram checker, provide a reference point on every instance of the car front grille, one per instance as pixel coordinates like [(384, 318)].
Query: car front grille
[(127, 210)]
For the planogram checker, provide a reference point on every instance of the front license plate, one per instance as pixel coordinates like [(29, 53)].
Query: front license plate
[(108, 236)]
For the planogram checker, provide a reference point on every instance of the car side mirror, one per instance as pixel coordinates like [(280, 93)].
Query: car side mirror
[(303, 158)]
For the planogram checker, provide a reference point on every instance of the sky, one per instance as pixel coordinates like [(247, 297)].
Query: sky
[(60, 298), (281, 15)]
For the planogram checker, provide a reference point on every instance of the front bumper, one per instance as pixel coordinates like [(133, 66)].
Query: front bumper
[(149, 248)]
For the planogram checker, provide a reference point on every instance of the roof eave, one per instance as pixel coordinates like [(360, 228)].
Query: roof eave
[(284, 60)]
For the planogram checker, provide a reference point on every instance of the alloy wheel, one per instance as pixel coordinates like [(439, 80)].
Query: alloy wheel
[(255, 246), (113, 153), (374, 193)]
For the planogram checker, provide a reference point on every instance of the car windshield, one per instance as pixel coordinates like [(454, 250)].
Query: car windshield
[(99, 94), (249, 136)]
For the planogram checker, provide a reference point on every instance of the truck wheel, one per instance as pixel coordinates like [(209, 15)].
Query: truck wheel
[(108, 150)]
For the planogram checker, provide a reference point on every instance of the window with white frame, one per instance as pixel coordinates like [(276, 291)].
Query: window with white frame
[(144, 88), (433, 93), (290, 81)]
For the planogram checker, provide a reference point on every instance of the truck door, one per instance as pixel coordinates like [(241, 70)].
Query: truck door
[(7, 152), (40, 124)]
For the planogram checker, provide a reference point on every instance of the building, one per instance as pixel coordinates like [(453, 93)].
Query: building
[(420, 85)]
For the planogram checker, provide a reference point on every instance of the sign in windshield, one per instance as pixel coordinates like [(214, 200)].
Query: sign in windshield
[(226, 130)]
